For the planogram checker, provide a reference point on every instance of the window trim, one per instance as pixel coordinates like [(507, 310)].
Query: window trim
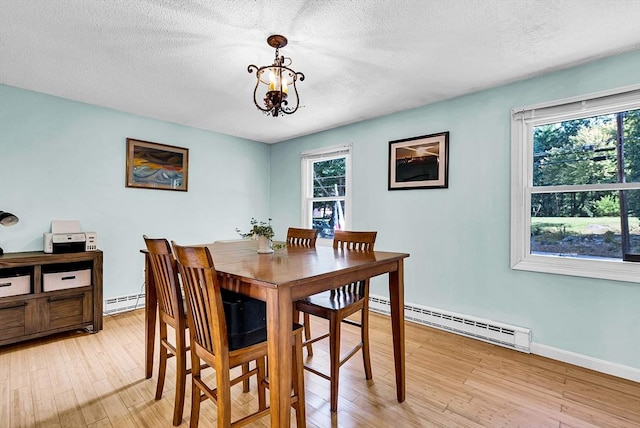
[(326, 153), (522, 121)]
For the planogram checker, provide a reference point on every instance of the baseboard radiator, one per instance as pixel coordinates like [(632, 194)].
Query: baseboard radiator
[(129, 302), (509, 336)]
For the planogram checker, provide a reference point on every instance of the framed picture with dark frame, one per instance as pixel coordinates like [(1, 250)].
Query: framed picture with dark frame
[(156, 166), (419, 162)]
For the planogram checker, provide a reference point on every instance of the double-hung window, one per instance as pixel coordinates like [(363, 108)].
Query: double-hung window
[(326, 190), (575, 198)]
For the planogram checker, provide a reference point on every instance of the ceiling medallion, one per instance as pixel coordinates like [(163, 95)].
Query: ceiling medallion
[(280, 82)]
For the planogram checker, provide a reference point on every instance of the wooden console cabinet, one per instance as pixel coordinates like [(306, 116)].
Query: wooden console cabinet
[(40, 312)]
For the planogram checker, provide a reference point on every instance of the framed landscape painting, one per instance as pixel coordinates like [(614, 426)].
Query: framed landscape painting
[(156, 166), (419, 162)]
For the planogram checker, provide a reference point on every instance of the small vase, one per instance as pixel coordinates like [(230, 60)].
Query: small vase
[(264, 245)]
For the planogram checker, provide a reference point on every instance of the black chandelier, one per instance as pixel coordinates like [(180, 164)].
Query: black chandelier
[(280, 81)]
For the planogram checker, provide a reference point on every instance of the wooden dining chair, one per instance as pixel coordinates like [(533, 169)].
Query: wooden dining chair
[(336, 305), (171, 312), (210, 342), (302, 237)]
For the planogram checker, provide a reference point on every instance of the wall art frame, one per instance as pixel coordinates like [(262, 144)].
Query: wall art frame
[(419, 162), (156, 166)]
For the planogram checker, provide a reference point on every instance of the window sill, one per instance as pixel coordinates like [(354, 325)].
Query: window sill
[(616, 270)]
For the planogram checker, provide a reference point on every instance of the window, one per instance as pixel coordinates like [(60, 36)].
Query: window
[(326, 190), (575, 202)]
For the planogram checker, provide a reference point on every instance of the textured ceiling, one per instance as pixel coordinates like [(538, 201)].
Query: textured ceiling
[(186, 61)]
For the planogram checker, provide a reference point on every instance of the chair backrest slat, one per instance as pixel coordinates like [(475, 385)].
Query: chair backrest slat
[(204, 301), (302, 237)]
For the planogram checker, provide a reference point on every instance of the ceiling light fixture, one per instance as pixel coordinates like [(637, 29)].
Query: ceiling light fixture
[(280, 81)]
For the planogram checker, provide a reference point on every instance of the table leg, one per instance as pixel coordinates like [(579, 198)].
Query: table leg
[(150, 311), (396, 296), (279, 316)]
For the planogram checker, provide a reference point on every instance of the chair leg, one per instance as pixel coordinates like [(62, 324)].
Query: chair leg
[(262, 389), (195, 406), (298, 382), (245, 383), (364, 334), (334, 354), (181, 378), (195, 392), (162, 368), (223, 382), (307, 334)]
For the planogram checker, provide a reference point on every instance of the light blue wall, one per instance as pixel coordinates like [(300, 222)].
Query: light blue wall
[(64, 160), (458, 237)]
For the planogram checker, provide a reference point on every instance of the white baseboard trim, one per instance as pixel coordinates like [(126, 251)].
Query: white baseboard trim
[(603, 366)]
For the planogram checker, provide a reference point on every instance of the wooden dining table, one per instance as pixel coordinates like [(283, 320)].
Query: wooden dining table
[(282, 277)]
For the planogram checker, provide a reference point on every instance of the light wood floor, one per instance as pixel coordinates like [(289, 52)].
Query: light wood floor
[(97, 380)]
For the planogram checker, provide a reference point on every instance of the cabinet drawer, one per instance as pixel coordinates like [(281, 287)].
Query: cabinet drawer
[(68, 310), (15, 285), (13, 318), (64, 280)]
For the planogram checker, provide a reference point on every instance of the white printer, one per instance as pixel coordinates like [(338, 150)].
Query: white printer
[(66, 237)]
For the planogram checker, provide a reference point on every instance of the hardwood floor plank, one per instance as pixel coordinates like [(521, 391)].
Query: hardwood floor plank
[(613, 383), (507, 367), (519, 375), (69, 411), (22, 408), (44, 407), (610, 398), (5, 402), (500, 413), (602, 408), (110, 400), (59, 376), (5, 362), (19, 373), (597, 418), (102, 423), (124, 381), (87, 352), (85, 393), (532, 400)]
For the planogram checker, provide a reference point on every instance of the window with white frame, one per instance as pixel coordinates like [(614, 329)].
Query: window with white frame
[(326, 190), (575, 202)]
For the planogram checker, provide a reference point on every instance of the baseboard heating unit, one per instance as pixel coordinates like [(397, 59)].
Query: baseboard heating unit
[(509, 336), (123, 303)]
